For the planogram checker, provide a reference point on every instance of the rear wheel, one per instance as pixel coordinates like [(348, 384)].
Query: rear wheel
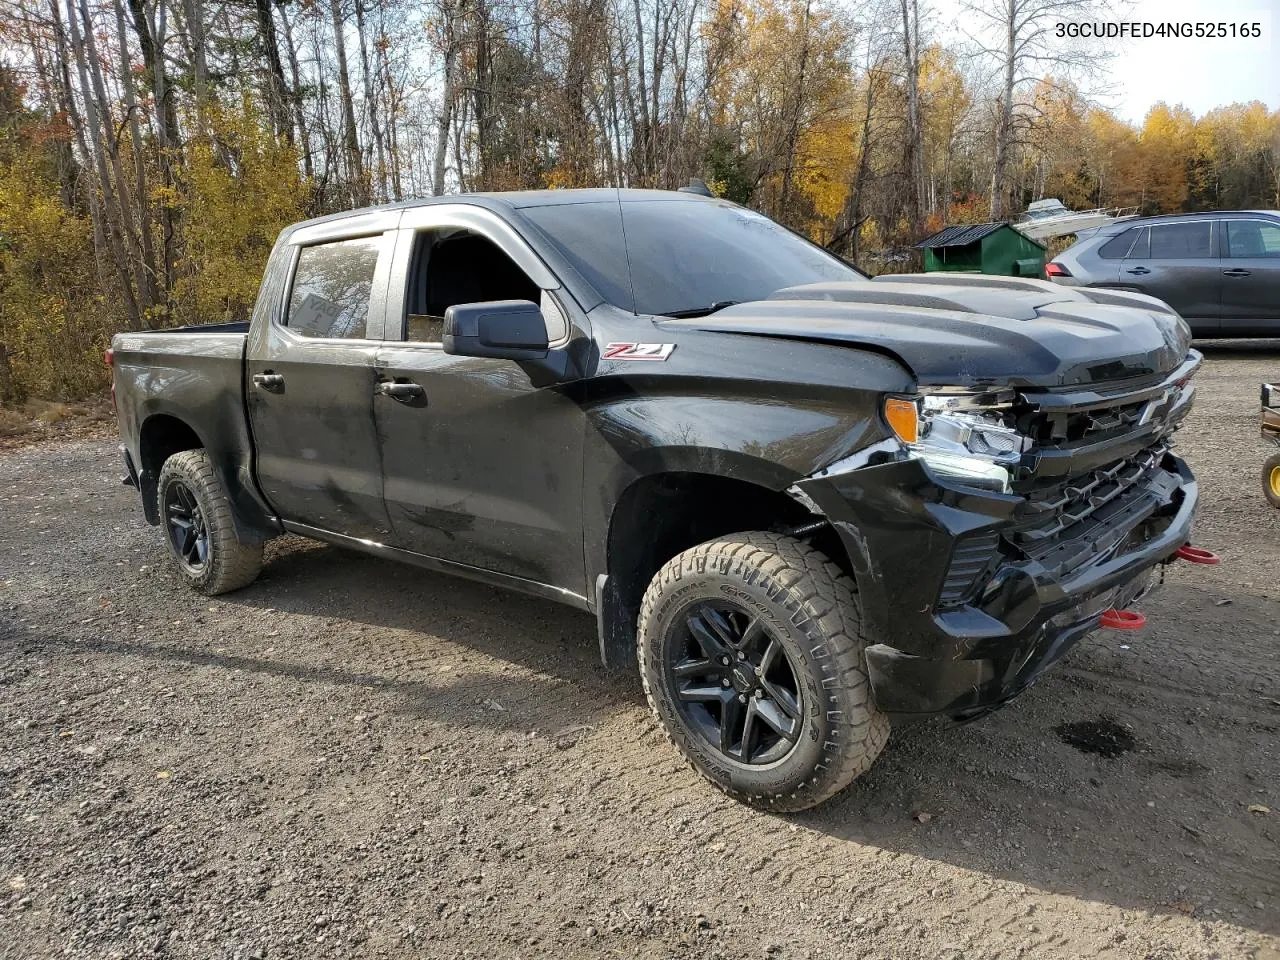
[(195, 513), (1271, 479), (751, 653)]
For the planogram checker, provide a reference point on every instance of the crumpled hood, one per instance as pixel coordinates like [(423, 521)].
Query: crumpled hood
[(975, 330)]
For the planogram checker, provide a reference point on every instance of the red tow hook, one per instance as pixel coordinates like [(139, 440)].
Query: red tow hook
[(1197, 555), (1122, 620)]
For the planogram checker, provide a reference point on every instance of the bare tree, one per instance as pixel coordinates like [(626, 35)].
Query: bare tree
[(913, 139), (1019, 37)]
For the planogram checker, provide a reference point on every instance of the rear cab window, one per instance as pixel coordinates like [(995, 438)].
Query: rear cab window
[(332, 288)]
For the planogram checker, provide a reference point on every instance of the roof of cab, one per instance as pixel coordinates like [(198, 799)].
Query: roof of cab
[(514, 199)]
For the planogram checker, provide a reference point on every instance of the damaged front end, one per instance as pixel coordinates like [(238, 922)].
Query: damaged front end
[(991, 529)]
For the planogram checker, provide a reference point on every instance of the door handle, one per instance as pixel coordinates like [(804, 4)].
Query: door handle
[(1236, 272), (269, 381), (1139, 271), (404, 392)]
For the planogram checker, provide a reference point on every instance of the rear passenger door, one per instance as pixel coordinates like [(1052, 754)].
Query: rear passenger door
[(1251, 276), (1178, 262), (310, 380)]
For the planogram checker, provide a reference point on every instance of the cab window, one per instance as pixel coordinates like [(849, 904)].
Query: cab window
[(1252, 238), (453, 265), (1182, 241), (332, 287), (1117, 248)]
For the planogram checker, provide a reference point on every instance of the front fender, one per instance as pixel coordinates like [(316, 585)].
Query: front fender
[(765, 434)]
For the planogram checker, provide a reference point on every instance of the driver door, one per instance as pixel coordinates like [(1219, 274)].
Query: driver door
[(479, 467)]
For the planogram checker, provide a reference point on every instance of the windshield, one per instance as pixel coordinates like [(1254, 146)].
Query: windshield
[(682, 256)]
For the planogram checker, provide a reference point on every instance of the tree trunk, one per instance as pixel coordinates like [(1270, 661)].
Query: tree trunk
[(482, 95), (147, 276), (371, 105), (445, 120), (793, 134), (278, 93), (391, 97), (1004, 116), (113, 225), (151, 42), (350, 138), (308, 164), (193, 10), (914, 166)]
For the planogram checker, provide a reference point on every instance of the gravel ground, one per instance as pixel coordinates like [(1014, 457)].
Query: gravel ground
[(357, 759)]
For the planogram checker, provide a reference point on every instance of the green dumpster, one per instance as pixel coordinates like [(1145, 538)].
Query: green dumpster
[(983, 248)]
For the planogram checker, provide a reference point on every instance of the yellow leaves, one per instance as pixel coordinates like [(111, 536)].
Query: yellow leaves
[(165, 195), (825, 158), (559, 178), (239, 188), (1167, 141), (46, 279)]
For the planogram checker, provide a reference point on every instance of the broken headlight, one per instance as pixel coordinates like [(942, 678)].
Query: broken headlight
[(965, 436)]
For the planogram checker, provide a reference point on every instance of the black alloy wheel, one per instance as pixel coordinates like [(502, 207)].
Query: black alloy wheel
[(735, 683), (186, 526)]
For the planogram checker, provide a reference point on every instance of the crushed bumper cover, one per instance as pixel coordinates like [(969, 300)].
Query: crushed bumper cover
[(901, 527)]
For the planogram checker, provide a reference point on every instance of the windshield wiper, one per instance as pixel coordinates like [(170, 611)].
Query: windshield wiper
[(699, 311)]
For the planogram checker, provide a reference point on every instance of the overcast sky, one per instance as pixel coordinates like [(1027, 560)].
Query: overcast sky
[(1202, 74)]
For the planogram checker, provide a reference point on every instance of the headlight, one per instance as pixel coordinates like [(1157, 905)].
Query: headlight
[(963, 435)]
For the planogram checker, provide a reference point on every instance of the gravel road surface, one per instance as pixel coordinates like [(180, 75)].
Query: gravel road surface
[(356, 759)]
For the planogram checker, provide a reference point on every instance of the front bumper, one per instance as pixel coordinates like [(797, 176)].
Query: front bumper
[(902, 527)]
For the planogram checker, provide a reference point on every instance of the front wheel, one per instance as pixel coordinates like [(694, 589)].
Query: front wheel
[(1271, 479), (751, 652), (195, 513)]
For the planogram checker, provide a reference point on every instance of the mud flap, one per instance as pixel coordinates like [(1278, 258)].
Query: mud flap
[(616, 626)]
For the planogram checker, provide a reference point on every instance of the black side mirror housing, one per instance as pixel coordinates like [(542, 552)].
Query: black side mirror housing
[(507, 330), (502, 329)]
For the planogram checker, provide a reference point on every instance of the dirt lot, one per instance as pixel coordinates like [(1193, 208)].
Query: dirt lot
[(355, 759)]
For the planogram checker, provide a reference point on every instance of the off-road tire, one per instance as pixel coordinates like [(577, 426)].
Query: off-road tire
[(230, 564), (811, 606), (1268, 488)]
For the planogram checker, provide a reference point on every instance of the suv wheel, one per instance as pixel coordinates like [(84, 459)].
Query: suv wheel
[(751, 652), (196, 515)]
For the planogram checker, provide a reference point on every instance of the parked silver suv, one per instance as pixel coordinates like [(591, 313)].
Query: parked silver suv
[(1220, 270)]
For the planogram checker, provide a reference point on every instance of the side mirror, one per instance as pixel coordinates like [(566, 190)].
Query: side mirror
[(503, 329)]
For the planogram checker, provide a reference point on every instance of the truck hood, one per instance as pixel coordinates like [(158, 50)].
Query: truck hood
[(975, 330)]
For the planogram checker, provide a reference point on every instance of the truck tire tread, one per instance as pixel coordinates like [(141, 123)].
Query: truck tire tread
[(233, 564), (823, 599)]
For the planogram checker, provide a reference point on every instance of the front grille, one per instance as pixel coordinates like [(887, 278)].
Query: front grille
[(1051, 427), (1067, 525), (1083, 518), (1056, 510)]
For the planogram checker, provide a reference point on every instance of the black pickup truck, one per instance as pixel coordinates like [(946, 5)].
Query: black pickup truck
[(806, 501)]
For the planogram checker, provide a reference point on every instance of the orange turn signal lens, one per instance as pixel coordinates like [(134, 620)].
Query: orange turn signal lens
[(903, 418)]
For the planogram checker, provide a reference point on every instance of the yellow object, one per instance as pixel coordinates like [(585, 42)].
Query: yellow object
[(903, 418)]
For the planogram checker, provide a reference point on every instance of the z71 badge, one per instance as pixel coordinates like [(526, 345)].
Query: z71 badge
[(637, 351)]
